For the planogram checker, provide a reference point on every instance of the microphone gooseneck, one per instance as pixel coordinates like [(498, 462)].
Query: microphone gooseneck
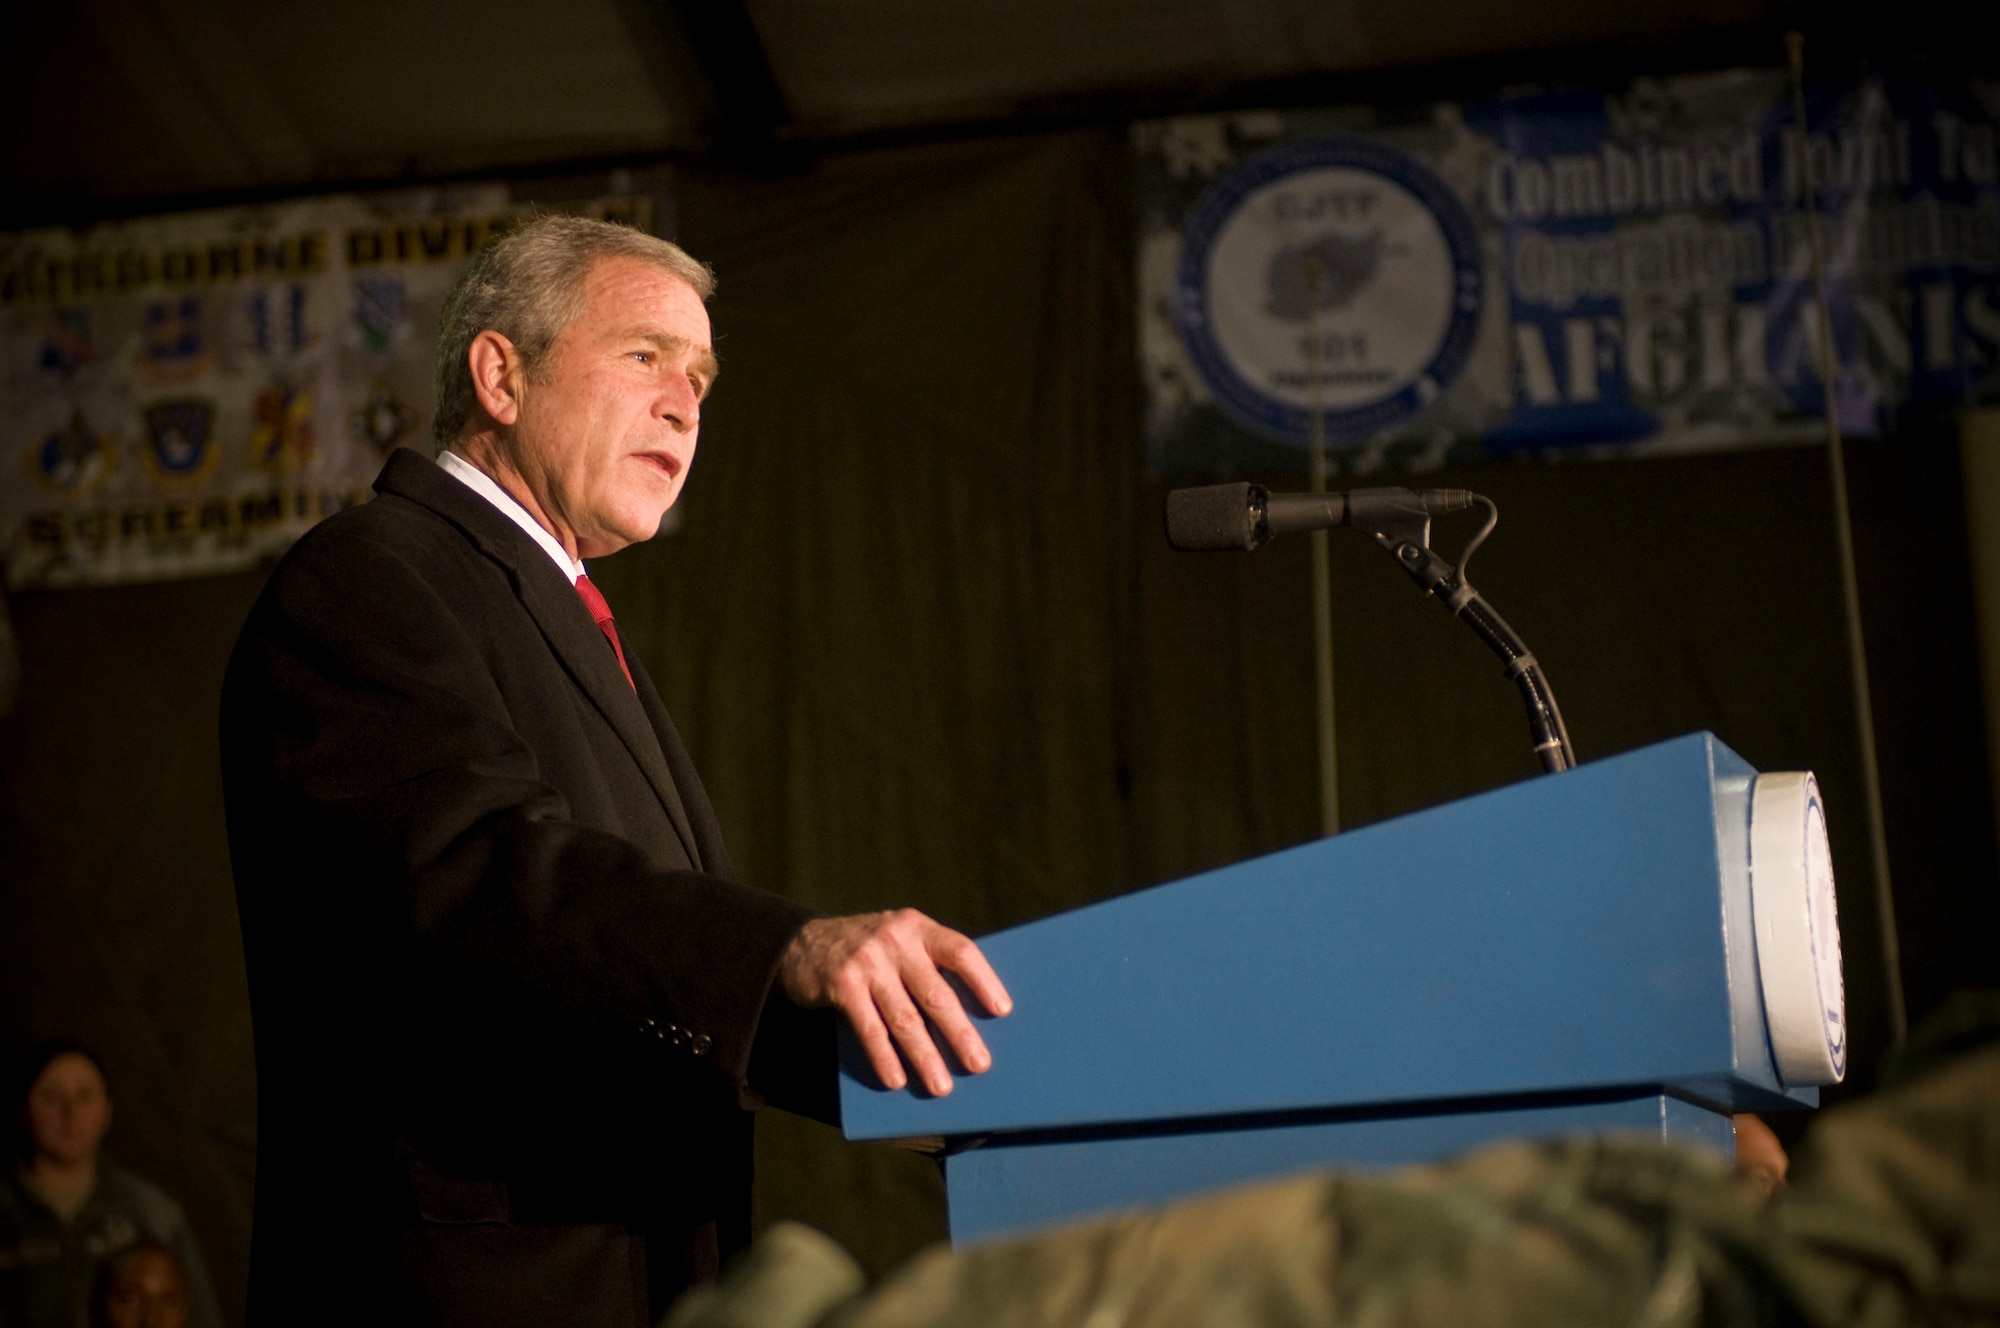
[(1242, 516)]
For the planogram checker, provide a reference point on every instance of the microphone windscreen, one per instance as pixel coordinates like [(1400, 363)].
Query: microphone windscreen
[(1214, 517)]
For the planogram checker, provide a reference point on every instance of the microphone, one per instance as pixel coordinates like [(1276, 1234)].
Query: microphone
[(1243, 516)]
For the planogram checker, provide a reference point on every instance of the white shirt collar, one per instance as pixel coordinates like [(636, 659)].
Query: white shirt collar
[(477, 480)]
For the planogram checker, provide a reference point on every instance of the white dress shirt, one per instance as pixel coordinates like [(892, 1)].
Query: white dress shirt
[(477, 480)]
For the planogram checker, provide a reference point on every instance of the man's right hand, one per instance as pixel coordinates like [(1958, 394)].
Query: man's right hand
[(885, 972)]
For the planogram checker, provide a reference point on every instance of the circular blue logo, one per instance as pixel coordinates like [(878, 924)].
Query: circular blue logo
[(1332, 275)]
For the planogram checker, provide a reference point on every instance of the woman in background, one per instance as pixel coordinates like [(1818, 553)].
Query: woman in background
[(66, 1208)]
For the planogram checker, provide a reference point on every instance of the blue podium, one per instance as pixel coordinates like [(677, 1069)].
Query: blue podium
[(1579, 952)]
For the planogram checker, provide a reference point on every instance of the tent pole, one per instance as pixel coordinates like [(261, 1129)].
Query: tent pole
[(1322, 574), (1850, 586)]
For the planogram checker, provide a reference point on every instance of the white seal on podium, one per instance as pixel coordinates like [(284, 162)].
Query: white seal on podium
[(1798, 929)]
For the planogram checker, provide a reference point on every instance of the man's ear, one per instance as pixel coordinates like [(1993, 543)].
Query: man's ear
[(497, 376)]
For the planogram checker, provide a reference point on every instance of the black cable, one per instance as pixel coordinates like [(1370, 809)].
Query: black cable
[(1545, 722), (1492, 520)]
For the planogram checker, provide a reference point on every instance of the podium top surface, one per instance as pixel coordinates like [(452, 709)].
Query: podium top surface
[(1576, 931)]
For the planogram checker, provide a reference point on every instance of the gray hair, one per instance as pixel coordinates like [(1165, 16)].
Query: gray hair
[(528, 286)]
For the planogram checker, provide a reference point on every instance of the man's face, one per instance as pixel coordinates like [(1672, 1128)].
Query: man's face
[(68, 1110), (608, 421), (147, 1290)]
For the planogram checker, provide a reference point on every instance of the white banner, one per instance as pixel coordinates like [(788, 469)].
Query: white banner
[(186, 394), (1584, 270)]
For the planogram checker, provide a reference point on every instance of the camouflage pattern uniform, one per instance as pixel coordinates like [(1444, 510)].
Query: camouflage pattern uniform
[(1892, 1217)]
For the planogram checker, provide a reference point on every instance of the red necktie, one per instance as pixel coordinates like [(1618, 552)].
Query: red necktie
[(601, 612)]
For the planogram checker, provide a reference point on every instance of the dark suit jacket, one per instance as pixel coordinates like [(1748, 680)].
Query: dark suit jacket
[(510, 1004)]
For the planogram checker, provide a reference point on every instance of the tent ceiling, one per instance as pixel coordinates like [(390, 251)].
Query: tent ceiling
[(864, 64), (114, 102)]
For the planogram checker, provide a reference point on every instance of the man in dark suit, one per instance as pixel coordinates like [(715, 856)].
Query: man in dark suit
[(512, 1008)]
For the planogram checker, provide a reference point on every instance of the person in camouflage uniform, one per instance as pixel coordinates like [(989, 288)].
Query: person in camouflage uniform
[(1892, 1216)]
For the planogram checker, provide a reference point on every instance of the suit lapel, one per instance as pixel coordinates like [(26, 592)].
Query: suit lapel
[(567, 626), (713, 858), (558, 611)]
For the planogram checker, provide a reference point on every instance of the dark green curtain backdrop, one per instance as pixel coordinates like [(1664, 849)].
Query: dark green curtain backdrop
[(924, 637)]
